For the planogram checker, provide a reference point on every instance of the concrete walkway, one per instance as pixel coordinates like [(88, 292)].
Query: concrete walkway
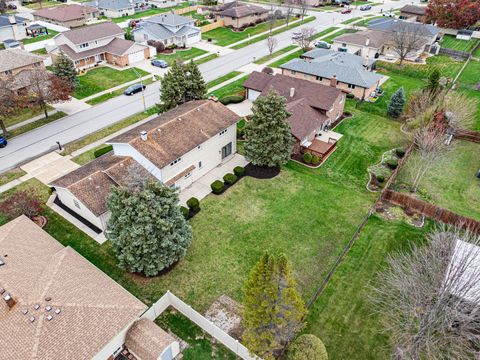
[(49, 167)]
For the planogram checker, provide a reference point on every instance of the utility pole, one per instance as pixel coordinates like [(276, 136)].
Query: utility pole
[(143, 89)]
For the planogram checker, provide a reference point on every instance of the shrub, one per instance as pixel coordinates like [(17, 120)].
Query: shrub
[(400, 152), (102, 151), (193, 204), (240, 133), (231, 99), (350, 96), (239, 171), (185, 212), (267, 70), (307, 158), (380, 178), (22, 202), (347, 113), (307, 347), (217, 187), (230, 179), (392, 163), (315, 160)]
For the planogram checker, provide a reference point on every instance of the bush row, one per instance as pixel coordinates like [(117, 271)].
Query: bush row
[(102, 151), (308, 158), (229, 179)]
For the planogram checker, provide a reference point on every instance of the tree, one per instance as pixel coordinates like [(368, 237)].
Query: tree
[(428, 297), (433, 84), (406, 39), (453, 14), (158, 45), (65, 69), (3, 6), (271, 44), (128, 34), (196, 88), (304, 40), (22, 202), (147, 229), (303, 6), (10, 102), (269, 141), (272, 308), (307, 347), (289, 9), (396, 104)]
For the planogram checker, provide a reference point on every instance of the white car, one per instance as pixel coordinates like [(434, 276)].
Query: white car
[(388, 14)]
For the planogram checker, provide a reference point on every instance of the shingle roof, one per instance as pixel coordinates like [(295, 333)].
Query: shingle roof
[(146, 340), (169, 19), (413, 9), (377, 38), (243, 10), (39, 270), (16, 58), (392, 25), (117, 46), (5, 21), (116, 4), (65, 12), (177, 131), (348, 68), (93, 32)]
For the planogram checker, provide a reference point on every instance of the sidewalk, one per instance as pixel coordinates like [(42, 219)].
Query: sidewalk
[(31, 120)]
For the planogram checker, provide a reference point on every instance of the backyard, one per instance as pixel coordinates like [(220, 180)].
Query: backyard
[(51, 34), (451, 42), (104, 78)]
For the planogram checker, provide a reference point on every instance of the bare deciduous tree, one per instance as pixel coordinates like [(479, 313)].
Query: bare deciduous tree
[(10, 102), (303, 7), (429, 300), (271, 44), (289, 7), (305, 38), (460, 110), (406, 39)]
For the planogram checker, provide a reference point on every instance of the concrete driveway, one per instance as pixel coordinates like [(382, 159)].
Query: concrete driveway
[(148, 67), (242, 109)]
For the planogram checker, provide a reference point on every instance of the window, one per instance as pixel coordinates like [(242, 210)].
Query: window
[(226, 150), (76, 203), (83, 45), (77, 62), (351, 86), (199, 147), (344, 45), (37, 64), (319, 78), (176, 161), (222, 132), (199, 164), (8, 72), (188, 175)]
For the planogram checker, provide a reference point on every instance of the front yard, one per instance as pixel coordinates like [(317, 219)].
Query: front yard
[(104, 78), (183, 55)]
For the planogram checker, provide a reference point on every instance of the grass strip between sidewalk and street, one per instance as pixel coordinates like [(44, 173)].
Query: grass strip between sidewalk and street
[(11, 175), (36, 124), (264, 59), (205, 59), (111, 95), (222, 79)]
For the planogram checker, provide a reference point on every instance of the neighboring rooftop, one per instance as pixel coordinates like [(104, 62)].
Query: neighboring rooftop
[(117, 46), (5, 19), (374, 38), (348, 68), (65, 12), (115, 4), (239, 10), (169, 19), (414, 9), (392, 25), (177, 131), (62, 306), (93, 32), (146, 340), (16, 58)]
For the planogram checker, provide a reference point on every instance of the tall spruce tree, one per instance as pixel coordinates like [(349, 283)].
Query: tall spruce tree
[(396, 104), (147, 229), (272, 308), (269, 141), (433, 84), (64, 68), (195, 88)]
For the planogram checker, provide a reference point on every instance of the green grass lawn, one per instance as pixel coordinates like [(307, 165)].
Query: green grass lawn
[(11, 175), (467, 82), (41, 51), (343, 316), (264, 59), (44, 4), (104, 78), (233, 88), (205, 59), (324, 32), (451, 42), (330, 38), (33, 125), (287, 58), (222, 79), (148, 13), (451, 182), (182, 55), (349, 21), (51, 34), (24, 114), (111, 95), (476, 53), (366, 21)]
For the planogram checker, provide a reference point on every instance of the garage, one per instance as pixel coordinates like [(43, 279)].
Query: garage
[(136, 57)]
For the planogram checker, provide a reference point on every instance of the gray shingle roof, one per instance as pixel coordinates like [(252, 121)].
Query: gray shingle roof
[(115, 4), (392, 25), (155, 31), (16, 58), (346, 67), (377, 38), (4, 20), (169, 19)]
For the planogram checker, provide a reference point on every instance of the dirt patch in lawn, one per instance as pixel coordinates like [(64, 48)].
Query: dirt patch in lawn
[(225, 313)]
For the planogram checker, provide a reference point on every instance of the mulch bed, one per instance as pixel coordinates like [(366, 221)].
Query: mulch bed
[(261, 172)]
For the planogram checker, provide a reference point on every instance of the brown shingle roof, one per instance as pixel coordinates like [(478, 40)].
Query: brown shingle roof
[(15, 58), (413, 9), (377, 38), (116, 47), (177, 131), (93, 32), (240, 10), (93, 307), (66, 12), (304, 119), (146, 340)]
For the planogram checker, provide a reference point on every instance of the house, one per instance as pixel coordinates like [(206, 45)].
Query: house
[(414, 13), (313, 107), (369, 43), (91, 45), (170, 29), (347, 72), (12, 27), (119, 8), (70, 16), (15, 61), (176, 148), (239, 15), (55, 305)]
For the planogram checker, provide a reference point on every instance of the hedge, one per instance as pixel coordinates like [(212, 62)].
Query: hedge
[(185, 212), (232, 99), (217, 187), (400, 152), (193, 204), (392, 163), (239, 171), (102, 151), (307, 158), (315, 160), (230, 179)]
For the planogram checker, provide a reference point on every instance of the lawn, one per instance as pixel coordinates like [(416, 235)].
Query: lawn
[(182, 55), (287, 58), (111, 95), (349, 21), (264, 59), (51, 34), (467, 82), (330, 38), (205, 59), (33, 125), (11, 175), (104, 78), (343, 316), (24, 114), (41, 51), (451, 181), (233, 88), (451, 42), (148, 13), (365, 22), (324, 32), (43, 4), (222, 79)]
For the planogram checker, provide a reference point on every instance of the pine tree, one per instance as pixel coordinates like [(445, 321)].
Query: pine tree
[(396, 104), (196, 88), (147, 229), (434, 81), (272, 308), (269, 141), (65, 69)]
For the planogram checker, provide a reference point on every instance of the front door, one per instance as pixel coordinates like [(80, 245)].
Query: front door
[(226, 150)]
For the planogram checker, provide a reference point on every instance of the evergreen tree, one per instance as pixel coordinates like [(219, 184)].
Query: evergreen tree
[(65, 69), (147, 229), (307, 347), (195, 88), (269, 141), (272, 308), (396, 104), (434, 81)]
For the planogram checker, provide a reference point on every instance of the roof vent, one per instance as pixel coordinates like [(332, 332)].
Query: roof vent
[(36, 306), (32, 319), (9, 300), (25, 311), (58, 311), (90, 178), (48, 308), (143, 135), (48, 298), (2, 262), (49, 317), (2, 290)]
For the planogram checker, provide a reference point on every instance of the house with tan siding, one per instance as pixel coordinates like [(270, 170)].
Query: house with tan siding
[(239, 15), (70, 16)]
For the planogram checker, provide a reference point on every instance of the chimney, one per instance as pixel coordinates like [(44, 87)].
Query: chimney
[(333, 81), (143, 135), (292, 92), (9, 300), (367, 41)]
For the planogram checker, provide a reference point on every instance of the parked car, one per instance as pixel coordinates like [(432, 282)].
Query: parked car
[(365, 7), (342, 2), (346, 11), (133, 89), (159, 63), (3, 142), (12, 7), (322, 44), (388, 14)]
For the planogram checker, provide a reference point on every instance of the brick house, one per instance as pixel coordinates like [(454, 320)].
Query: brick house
[(313, 107), (105, 42), (414, 12), (70, 16), (238, 15), (16, 66)]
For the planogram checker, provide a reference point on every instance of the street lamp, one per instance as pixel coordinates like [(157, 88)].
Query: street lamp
[(143, 89)]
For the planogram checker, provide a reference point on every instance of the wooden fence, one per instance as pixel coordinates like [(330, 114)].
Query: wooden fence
[(216, 24), (468, 135), (431, 211), (186, 10)]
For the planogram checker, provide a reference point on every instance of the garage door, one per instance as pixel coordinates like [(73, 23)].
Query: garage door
[(135, 57)]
